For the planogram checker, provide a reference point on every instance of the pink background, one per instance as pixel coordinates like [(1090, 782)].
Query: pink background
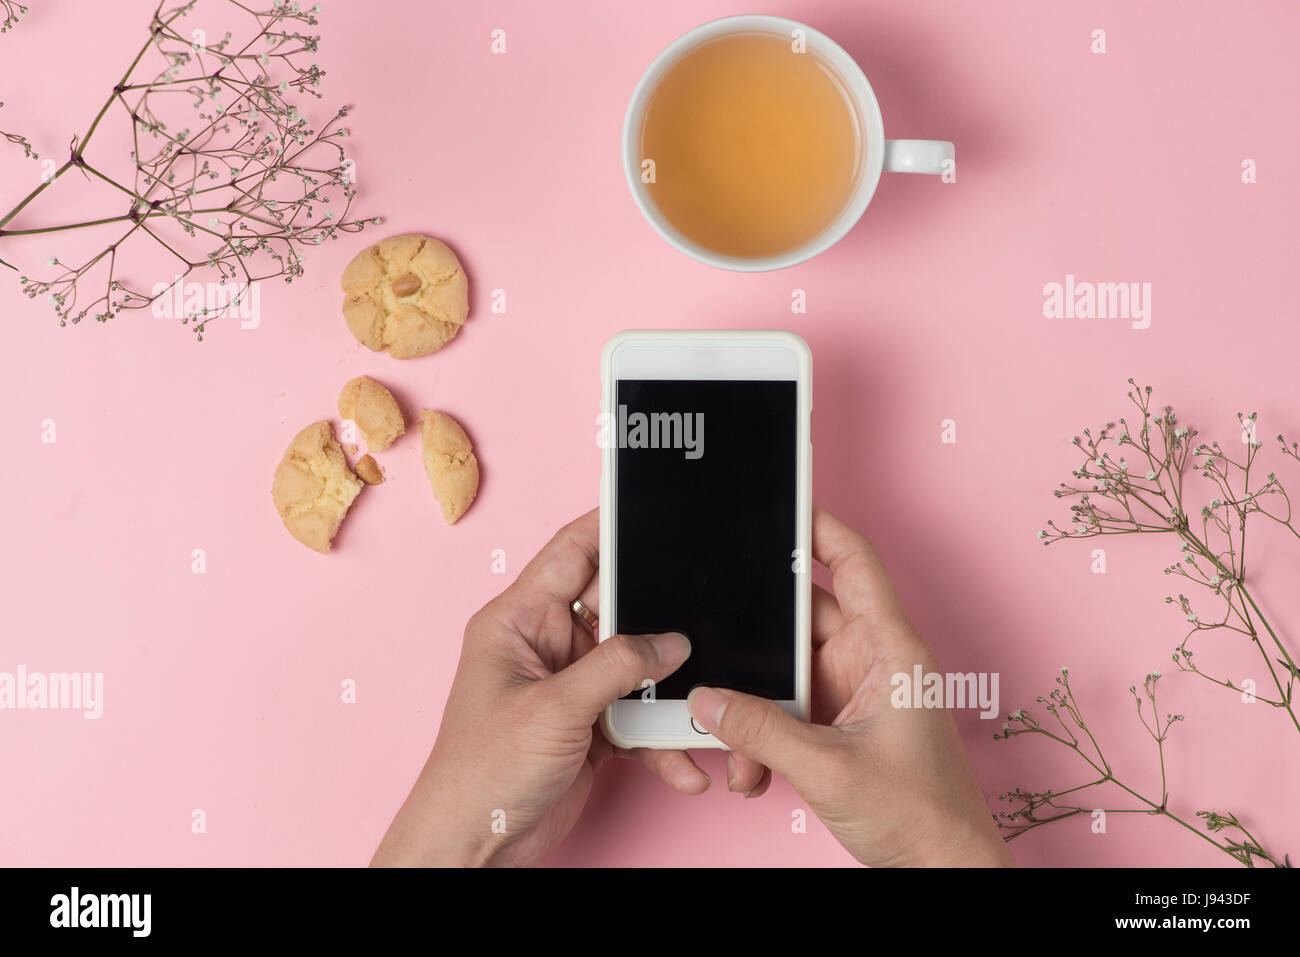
[(222, 689)]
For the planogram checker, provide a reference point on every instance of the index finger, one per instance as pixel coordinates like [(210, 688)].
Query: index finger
[(565, 564), (858, 575)]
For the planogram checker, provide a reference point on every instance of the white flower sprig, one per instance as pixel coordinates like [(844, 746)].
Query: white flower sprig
[(13, 11), (229, 179), (1066, 726), (1132, 482), (1115, 499)]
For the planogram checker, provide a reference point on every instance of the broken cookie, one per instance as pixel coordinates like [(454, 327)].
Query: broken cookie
[(313, 486), (374, 410), (449, 462)]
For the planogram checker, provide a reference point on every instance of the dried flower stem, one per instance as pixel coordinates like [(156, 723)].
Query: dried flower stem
[(12, 11), (20, 141), (1147, 496), (246, 182), (1064, 708)]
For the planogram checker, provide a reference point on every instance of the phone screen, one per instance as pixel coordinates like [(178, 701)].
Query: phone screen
[(706, 512)]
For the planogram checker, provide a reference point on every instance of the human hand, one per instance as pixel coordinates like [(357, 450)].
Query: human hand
[(517, 749), (893, 785)]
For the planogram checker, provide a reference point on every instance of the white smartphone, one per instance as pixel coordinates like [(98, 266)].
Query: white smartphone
[(706, 519)]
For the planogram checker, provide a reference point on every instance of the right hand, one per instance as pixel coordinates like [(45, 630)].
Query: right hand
[(893, 785)]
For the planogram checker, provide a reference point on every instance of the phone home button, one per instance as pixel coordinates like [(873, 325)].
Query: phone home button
[(695, 727)]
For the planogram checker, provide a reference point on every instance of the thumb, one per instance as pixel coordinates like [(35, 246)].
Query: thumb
[(618, 666), (758, 728)]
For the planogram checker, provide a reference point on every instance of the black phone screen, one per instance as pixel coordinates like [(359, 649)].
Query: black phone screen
[(706, 512)]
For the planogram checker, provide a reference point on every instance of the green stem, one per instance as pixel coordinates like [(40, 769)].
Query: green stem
[(75, 159), (102, 222), (36, 192), (1267, 627)]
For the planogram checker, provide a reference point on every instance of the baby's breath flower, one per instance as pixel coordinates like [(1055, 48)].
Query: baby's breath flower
[(1211, 552), (268, 142)]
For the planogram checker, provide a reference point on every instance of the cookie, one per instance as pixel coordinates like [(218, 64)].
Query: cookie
[(449, 462), (406, 296), (374, 410), (313, 486), (368, 470)]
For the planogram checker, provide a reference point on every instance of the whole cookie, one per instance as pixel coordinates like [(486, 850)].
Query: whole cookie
[(313, 486), (449, 462), (406, 295)]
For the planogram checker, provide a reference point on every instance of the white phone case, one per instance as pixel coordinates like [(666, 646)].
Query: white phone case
[(740, 340)]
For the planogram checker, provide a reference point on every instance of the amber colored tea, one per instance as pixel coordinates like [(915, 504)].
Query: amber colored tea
[(756, 147)]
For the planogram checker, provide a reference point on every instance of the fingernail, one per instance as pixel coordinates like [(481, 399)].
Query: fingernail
[(672, 648), (706, 706), (731, 771)]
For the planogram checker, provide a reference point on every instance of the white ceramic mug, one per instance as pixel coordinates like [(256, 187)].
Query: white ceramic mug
[(900, 156)]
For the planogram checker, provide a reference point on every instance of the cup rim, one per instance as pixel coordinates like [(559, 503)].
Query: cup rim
[(849, 72)]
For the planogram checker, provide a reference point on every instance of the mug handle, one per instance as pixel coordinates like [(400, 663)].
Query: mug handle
[(918, 156)]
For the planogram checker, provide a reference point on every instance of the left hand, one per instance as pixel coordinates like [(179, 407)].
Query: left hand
[(518, 747)]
